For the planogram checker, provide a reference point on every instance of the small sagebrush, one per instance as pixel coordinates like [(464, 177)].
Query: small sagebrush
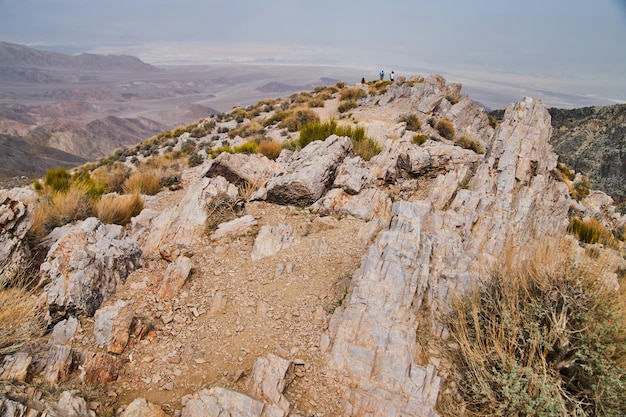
[(445, 128)]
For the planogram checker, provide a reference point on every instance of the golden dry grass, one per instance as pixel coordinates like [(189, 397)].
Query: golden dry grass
[(113, 176), (144, 181), (118, 209), (270, 149), (544, 334), (21, 318)]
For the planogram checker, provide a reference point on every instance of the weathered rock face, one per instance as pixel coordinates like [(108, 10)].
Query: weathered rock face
[(240, 169), (16, 218), (308, 173), (183, 223), (217, 402), (141, 407), (174, 277), (272, 239), (84, 265), (433, 245), (112, 326)]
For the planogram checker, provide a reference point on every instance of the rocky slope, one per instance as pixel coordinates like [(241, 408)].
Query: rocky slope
[(592, 140), (312, 300)]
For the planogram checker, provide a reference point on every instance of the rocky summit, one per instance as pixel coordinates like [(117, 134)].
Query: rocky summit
[(323, 291)]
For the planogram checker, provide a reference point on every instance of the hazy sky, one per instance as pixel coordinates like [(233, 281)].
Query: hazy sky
[(577, 43)]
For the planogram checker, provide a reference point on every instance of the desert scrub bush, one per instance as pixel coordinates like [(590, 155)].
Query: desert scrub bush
[(275, 118), (251, 128), (452, 99), (222, 208), (188, 146), (316, 102), (580, 187), (194, 159), (592, 231), (113, 177), (58, 179), (445, 128), (419, 139), (118, 209), (364, 146), (145, 180), (344, 106), (469, 143), (563, 169), (412, 122), (543, 337), (247, 148), (216, 151), (69, 205), (378, 87), (298, 118), (352, 93), (270, 149)]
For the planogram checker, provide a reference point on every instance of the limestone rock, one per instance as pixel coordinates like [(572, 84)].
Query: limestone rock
[(99, 368), (71, 406), (85, 265), (240, 169), (234, 228), (218, 402), (16, 218), (271, 239), (308, 173), (370, 204), (170, 252), (15, 367), (268, 380), (352, 175), (53, 363), (65, 330), (112, 325), (140, 407), (182, 223), (174, 278)]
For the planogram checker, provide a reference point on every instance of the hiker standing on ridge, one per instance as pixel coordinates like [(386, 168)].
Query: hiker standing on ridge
[(392, 76), (382, 75)]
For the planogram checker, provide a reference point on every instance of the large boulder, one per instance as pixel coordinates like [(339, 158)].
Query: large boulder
[(16, 219), (306, 175), (241, 169), (84, 266)]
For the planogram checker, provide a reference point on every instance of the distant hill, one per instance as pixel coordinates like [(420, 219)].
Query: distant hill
[(19, 56)]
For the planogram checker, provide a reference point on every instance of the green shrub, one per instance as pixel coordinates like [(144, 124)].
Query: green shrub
[(419, 139), (215, 152), (364, 146), (545, 338), (58, 179), (412, 122), (188, 146), (445, 128), (247, 148)]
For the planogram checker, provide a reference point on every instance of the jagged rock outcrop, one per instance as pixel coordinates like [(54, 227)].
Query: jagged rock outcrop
[(112, 326), (69, 405), (183, 223), (217, 402), (433, 245), (85, 264), (306, 175), (16, 218)]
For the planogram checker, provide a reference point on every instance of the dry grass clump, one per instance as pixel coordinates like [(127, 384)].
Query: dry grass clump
[(592, 231), (248, 129), (298, 118), (21, 317), (352, 93), (445, 128), (144, 181), (469, 143), (118, 209), (113, 176), (412, 122), (270, 149), (222, 208), (546, 336), (346, 105)]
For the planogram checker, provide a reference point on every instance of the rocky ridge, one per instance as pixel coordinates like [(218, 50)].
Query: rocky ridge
[(312, 300)]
